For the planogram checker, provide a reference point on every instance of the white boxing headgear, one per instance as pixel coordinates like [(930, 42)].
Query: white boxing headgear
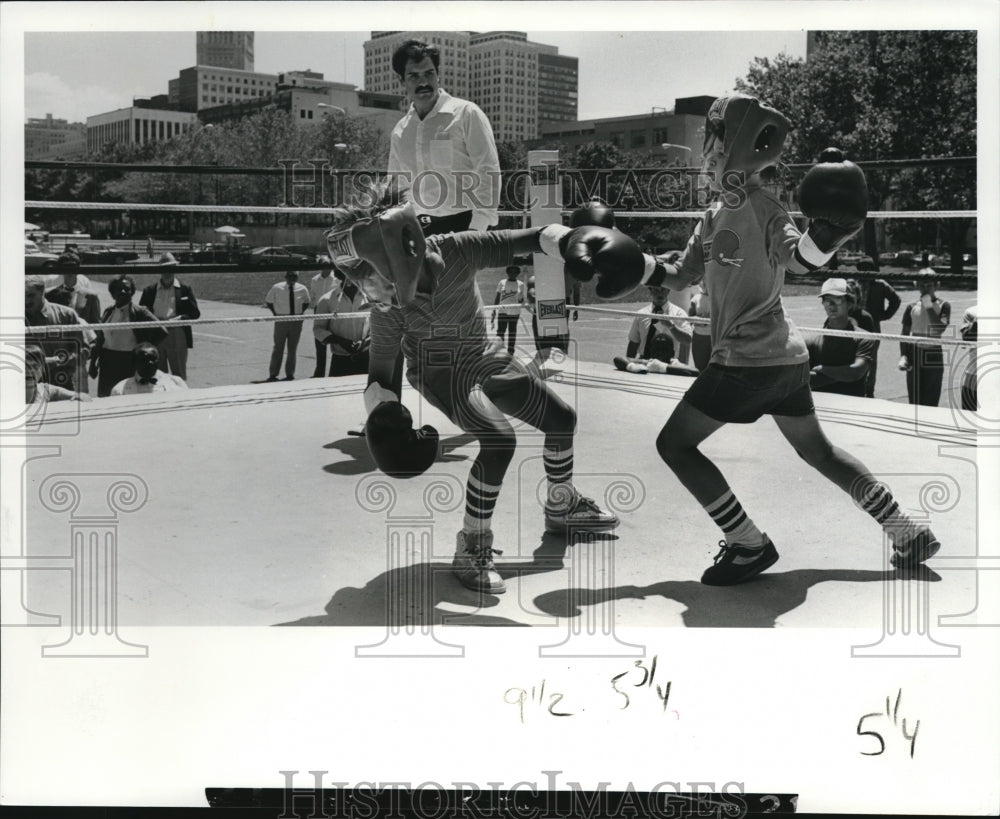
[(752, 134), (391, 243)]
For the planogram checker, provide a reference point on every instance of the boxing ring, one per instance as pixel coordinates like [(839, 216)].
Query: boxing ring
[(235, 505)]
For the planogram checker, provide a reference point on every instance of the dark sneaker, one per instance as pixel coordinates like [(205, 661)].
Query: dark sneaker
[(734, 564), (473, 563), (913, 547), (580, 514)]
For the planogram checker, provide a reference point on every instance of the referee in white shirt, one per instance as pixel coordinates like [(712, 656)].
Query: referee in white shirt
[(442, 150)]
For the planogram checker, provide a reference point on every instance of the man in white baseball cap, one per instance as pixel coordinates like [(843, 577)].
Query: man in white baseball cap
[(839, 364)]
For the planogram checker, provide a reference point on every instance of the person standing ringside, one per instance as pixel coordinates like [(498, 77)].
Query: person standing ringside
[(923, 364), (442, 151)]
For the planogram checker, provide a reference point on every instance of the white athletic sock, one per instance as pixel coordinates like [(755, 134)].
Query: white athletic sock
[(729, 516)]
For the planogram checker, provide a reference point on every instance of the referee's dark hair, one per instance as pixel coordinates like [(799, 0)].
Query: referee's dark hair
[(414, 50)]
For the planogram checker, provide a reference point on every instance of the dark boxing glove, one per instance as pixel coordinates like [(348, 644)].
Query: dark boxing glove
[(834, 195), (613, 257), (595, 213), (397, 448)]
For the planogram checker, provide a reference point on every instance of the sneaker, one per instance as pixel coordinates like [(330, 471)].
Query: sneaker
[(627, 366), (581, 514), (473, 563), (914, 548), (734, 564)]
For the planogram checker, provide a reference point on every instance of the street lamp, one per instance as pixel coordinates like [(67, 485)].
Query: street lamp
[(666, 146), (339, 147)]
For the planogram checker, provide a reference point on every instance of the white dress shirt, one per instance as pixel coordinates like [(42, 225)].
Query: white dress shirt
[(448, 160), (165, 382), (319, 286), (277, 296), (354, 329)]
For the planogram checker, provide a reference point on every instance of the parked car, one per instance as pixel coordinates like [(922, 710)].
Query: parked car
[(35, 257), (901, 258), (103, 254), (265, 256), (311, 254)]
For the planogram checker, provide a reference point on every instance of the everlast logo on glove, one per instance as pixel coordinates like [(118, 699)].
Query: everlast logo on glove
[(547, 309)]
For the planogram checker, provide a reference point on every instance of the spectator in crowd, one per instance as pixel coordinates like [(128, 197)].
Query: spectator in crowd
[(320, 284), (652, 344), (150, 247), (81, 299), (839, 364), (148, 377), (927, 317), (287, 298), (36, 389), (881, 301), (71, 292), (64, 350), (510, 297), (448, 136), (681, 298), (169, 300), (701, 334), (529, 305), (113, 358), (347, 337), (855, 310), (970, 332)]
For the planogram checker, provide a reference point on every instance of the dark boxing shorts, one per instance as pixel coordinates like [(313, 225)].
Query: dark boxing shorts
[(741, 395)]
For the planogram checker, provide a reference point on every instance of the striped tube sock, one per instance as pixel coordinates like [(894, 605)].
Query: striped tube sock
[(559, 471), (878, 502), (729, 516), (480, 499)]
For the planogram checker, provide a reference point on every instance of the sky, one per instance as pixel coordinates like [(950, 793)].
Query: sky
[(75, 74)]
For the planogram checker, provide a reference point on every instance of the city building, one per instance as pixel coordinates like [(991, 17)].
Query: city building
[(308, 98), (519, 84), (558, 86), (225, 49), (203, 86), (308, 104), (454, 48), (136, 126), (42, 136), (681, 130)]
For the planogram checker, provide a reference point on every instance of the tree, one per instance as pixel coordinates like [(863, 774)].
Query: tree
[(885, 95)]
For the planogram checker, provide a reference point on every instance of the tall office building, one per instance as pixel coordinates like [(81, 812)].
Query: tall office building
[(225, 49), (518, 84), (558, 86)]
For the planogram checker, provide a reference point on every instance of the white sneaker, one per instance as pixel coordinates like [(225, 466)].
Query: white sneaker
[(473, 563), (580, 514)]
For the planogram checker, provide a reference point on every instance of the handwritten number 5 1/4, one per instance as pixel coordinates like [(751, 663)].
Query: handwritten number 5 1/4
[(892, 713)]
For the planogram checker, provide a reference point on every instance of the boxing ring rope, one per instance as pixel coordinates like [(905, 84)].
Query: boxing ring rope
[(523, 214), (128, 325)]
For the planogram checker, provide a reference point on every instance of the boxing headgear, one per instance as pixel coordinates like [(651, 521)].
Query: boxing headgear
[(752, 134), (391, 244)]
